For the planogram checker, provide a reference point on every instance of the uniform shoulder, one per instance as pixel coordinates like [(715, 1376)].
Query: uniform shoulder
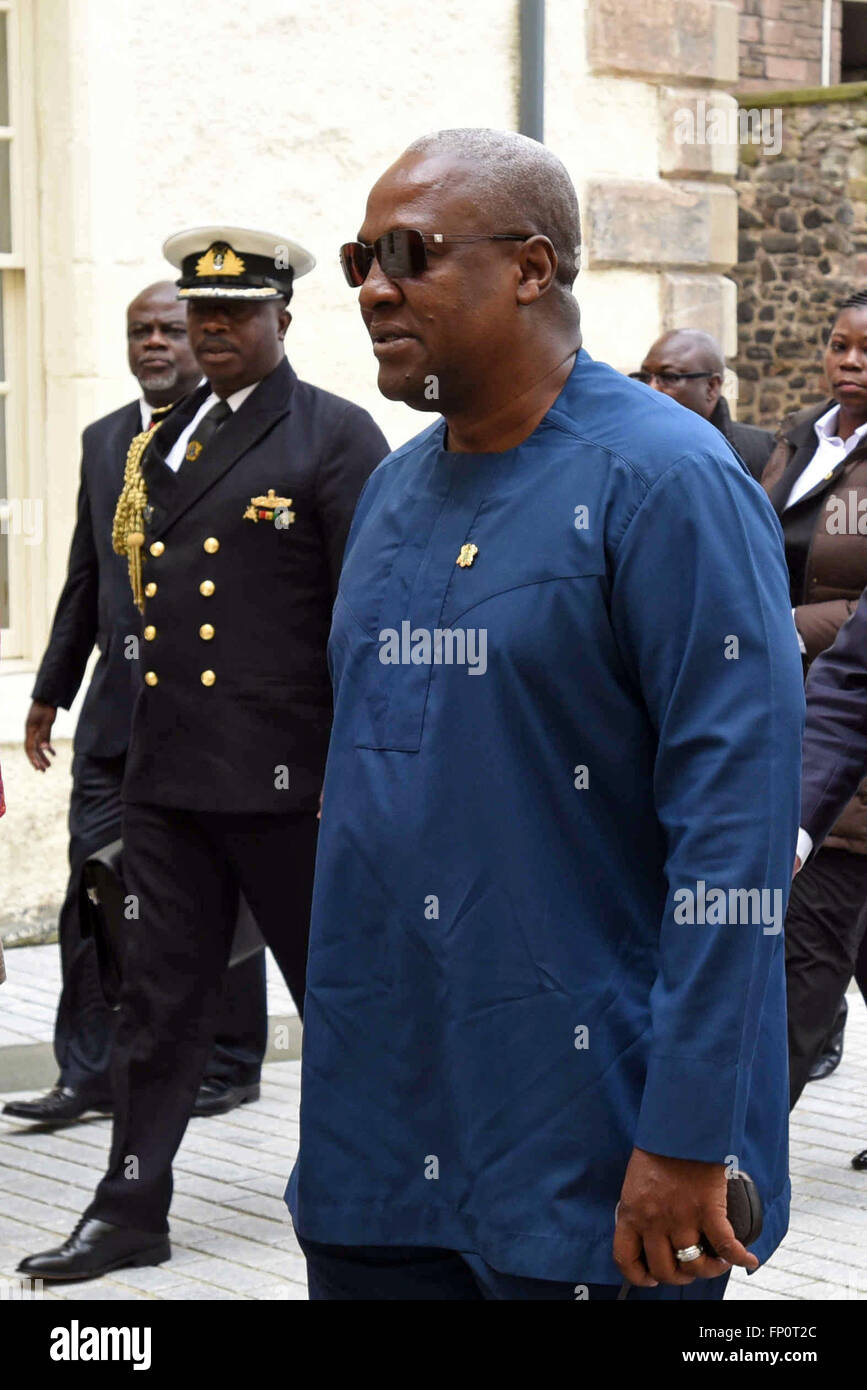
[(106, 423), (641, 430), (329, 406)]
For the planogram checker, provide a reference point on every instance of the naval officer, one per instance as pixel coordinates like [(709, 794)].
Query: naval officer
[(234, 515), (96, 607)]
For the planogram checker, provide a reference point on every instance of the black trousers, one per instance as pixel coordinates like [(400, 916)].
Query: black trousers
[(416, 1273), (825, 947), (186, 868), (85, 1025)]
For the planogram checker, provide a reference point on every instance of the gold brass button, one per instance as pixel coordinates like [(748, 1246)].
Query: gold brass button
[(150, 633), (206, 632), (150, 678), (212, 545), (206, 588), (207, 678), (157, 548), (150, 589)]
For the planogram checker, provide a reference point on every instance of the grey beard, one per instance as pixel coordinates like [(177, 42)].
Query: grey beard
[(159, 381)]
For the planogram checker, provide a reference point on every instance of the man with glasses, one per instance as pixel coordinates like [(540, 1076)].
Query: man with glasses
[(688, 365), (519, 1013)]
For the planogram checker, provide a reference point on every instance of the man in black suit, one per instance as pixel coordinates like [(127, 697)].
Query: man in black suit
[(689, 366), (235, 553), (96, 607), (835, 760)]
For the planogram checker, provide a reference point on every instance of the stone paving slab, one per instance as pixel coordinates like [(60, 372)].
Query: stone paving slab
[(232, 1238), (222, 1248), (28, 1000)]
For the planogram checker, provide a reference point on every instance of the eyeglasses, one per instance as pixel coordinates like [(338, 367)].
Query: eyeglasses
[(402, 253), (669, 378)]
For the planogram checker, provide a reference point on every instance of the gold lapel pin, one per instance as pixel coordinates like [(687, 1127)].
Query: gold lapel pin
[(267, 508), (467, 555)]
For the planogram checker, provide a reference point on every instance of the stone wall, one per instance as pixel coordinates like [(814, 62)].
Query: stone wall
[(660, 209), (781, 43), (802, 247)]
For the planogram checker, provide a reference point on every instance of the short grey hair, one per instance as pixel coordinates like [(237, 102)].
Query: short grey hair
[(522, 186)]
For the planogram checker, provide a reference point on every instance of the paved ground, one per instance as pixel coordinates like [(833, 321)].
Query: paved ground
[(33, 833), (230, 1231), (28, 1001), (231, 1234)]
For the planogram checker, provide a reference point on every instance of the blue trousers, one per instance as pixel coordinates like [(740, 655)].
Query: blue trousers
[(377, 1272)]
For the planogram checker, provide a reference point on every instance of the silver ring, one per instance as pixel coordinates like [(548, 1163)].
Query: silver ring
[(688, 1253)]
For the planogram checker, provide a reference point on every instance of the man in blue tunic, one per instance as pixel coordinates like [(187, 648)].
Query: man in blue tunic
[(561, 802)]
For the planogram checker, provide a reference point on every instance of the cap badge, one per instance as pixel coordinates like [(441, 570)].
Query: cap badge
[(219, 259), (467, 555), (270, 508)]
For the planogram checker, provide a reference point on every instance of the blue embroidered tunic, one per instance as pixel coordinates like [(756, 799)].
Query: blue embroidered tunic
[(556, 841)]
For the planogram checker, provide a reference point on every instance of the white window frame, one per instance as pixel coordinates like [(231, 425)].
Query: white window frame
[(26, 555)]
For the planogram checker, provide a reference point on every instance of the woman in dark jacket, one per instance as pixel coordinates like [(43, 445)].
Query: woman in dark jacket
[(816, 479)]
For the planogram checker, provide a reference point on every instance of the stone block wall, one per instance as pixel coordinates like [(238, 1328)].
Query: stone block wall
[(802, 248), (670, 219), (781, 43)]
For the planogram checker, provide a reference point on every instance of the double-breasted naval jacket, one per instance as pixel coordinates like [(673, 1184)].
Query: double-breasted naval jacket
[(234, 712)]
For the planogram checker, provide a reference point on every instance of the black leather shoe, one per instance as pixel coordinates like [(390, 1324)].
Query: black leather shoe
[(96, 1248), (832, 1056), (832, 1052), (217, 1097), (62, 1104), (860, 1161)]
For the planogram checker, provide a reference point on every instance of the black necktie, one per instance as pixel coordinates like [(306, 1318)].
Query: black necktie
[(205, 431)]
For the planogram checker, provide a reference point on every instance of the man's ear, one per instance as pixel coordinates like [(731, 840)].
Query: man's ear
[(714, 388), (538, 262), (284, 318)]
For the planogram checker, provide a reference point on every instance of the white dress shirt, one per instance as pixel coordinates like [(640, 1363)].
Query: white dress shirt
[(832, 449), (179, 448), (147, 410)]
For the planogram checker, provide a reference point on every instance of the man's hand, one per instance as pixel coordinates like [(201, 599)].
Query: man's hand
[(667, 1204), (37, 733), (797, 866)]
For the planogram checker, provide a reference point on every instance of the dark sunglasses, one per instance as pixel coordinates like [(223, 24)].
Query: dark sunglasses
[(669, 378), (402, 253)]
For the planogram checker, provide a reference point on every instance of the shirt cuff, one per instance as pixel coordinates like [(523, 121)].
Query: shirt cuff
[(804, 846), (803, 649)]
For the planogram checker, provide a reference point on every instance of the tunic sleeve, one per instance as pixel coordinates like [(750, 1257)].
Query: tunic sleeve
[(700, 606)]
